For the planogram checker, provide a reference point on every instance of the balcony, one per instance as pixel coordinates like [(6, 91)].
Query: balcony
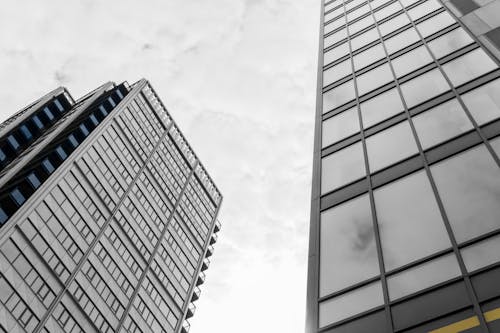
[(185, 327), (210, 251), (190, 311), (201, 279), (205, 264), (217, 226), (213, 239), (196, 294)]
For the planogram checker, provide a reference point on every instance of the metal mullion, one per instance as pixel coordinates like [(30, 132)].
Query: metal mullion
[(383, 279), (463, 269)]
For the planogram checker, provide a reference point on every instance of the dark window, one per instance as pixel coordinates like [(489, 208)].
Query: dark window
[(94, 120), (13, 142), (103, 111), (26, 132), (61, 153), (37, 122), (3, 216), (73, 140), (84, 129), (17, 196), (118, 92), (111, 101), (3, 157), (47, 165), (48, 113), (34, 181), (58, 105)]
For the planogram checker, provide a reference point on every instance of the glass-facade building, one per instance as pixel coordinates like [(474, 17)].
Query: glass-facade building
[(107, 217), (405, 215)]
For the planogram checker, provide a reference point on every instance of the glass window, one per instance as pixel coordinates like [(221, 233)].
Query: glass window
[(3, 157), (469, 66), (387, 11), (412, 60), (332, 4), (3, 216), (381, 107), (335, 38), (337, 72), (390, 146), (350, 304), (450, 42), (34, 181), (441, 123), (407, 3), (484, 102), (377, 3), (336, 53), (103, 110), (374, 79), (340, 126), (424, 87), (354, 3), (94, 120), (73, 140), (111, 101), (469, 186), (361, 24), (338, 96), (435, 23), (423, 9), (423, 276), (482, 254), (369, 56), (84, 129), (17, 196), (394, 24), (334, 24), (342, 167), (26, 132), (401, 40), (58, 105), (62, 154), (333, 14), (49, 168), (13, 142), (408, 218), (48, 113), (119, 93), (364, 39), (358, 13), (37, 122), (348, 249)]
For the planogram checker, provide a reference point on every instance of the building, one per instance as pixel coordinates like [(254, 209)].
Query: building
[(405, 215), (107, 216)]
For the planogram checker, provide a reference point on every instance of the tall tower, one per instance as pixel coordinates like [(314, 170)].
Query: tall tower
[(405, 215), (107, 216)]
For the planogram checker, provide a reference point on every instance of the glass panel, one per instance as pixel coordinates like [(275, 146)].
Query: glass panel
[(394, 24), (34, 181), (340, 126), (342, 167), (482, 254), (411, 61), (407, 3), (387, 11), (423, 9), (338, 96), (37, 122), (358, 13), (390, 146), (381, 107), (333, 14), (377, 3), (60, 151), (47, 166), (13, 142), (58, 105), (368, 56), (350, 304), (469, 186), (334, 24), (408, 218), (73, 140), (48, 113), (337, 72), (17, 196), (3, 216), (441, 123), (424, 87), (3, 157), (336, 53), (484, 102), (335, 38), (450, 42), (375, 78), (84, 129), (360, 25), (348, 249), (435, 23), (423, 276), (364, 39), (401, 40), (354, 3), (26, 132), (332, 5), (469, 66)]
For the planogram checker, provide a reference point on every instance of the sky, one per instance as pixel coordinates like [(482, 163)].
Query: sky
[(239, 78)]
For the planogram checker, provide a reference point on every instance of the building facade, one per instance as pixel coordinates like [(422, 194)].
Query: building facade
[(107, 217), (405, 214)]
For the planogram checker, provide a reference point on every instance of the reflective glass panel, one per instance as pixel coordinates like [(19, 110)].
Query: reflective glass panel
[(423, 276), (377, 3), (407, 3), (332, 4), (469, 186), (335, 24), (348, 249), (381, 107), (482, 254), (368, 56), (435, 23), (350, 304), (48, 113), (374, 79), (411, 61), (337, 72), (340, 126), (450, 42), (26, 132), (3, 157), (354, 3), (387, 11), (13, 142), (17, 196), (441, 123), (336, 53), (358, 13), (394, 24), (333, 14), (423, 9), (401, 40), (409, 217), (484, 102), (390, 146), (58, 105), (469, 66), (424, 87), (37, 122), (335, 37), (33, 179), (342, 167), (361, 24), (364, 39), (338, 96)]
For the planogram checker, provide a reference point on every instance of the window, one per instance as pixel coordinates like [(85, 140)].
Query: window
[(84, 129), (484, 102), (26, 132), (469, 66), (409, 217), (401, 40), (394, 24), (360, 24), (354, 3), (3, 216), (103, 110), (3, 157), (58, 105), (335, 37), (482, 254), (423, 9), (342, 167), (408, 3), (340, 126), (449, 42), (423, 276), (13, 142), (424, 87), (111, 101), (94, 120), (358, 13), (17, 196), (335, 13), (73, 140), (387, 11), (369, 56), (338, 96), (47, 165), (337, 72), (441, 123), (364, 39), (119, 93), (61, 153), (374, 79), (335, 24), (350, 304), (48, 113), (435, 23), (336, 53), (377, 3), (469, 185), (390, 146), (381, 107), (348, 249), (37, 122), (412, 60), (34, 181)]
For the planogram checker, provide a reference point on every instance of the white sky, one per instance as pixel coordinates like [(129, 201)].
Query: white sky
[(238, 76)]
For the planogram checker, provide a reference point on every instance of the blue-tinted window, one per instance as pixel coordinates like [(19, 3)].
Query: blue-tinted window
[(2, 156), (73, 140), (3, 216), (84, 129), (17, 196), (37, 122), (58, 105), (119, 93), (62, 154), (103, 110), (48, 166), (26, 132), (13, 142), (111, 101), (48, 113), (94, 119), (34, 181)]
